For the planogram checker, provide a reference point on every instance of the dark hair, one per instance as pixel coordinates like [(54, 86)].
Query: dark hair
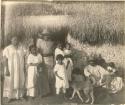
[(14, 36), (59, 56), (31, 46), (112, 64)]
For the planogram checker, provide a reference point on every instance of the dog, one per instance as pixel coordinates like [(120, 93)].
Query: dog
[(86, 86)]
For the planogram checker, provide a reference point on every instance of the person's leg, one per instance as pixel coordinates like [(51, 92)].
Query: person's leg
[(73, 94), (86, 92), (79, 95), (57, 91), (92, 96)]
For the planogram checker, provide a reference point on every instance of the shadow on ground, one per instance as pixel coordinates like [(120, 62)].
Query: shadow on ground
[(101, 97)]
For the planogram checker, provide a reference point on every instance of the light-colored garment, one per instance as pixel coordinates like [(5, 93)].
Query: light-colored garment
[(67, 52), (32, 74), (61, 71), (116, 84), (14, 82), (110, 69), (58, 51), (47, 47), (96, 71), (69, 69)]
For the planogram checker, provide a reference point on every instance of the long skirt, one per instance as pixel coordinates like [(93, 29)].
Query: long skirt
[(31, 81), (43, 83), (48, 67)]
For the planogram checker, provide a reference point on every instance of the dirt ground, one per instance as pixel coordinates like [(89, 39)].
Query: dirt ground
[(101, 97)]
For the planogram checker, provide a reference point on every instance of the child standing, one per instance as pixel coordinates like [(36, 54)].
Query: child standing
[(68, 61), (34, 59), (59, 50), (61, 76)]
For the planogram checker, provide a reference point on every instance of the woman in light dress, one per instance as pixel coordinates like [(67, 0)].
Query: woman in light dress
[(14, 55), (59, 50), (68, 61), (34, 59)]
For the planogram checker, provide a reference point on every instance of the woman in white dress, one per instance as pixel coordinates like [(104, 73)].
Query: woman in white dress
[(68, 61), (14, 70), (34, 59), (59, 50)]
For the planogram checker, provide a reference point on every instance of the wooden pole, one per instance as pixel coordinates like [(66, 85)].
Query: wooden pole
[(0, 60), (1, 47)]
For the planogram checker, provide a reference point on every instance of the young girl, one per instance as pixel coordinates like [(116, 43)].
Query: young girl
[(59, 50), (68, 61), (61, 76), (34, 59)]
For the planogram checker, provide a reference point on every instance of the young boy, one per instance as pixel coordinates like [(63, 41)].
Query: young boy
[(61, 76)]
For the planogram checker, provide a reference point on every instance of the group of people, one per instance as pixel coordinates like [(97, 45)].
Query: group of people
[(44, 69), (37, 71)]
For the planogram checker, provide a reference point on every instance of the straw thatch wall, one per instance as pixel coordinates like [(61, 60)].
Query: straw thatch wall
[(89, 22)]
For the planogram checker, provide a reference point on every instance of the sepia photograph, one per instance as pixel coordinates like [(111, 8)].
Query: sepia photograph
[(62, 52)]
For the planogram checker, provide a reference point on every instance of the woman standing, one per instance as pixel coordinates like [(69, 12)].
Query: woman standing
[(14, 70), (34, 59)]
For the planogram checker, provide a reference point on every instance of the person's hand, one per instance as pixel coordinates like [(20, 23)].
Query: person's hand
[(61, 78)]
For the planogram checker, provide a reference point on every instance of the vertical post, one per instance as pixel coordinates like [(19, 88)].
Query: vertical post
[(0, 60), (1, 47)]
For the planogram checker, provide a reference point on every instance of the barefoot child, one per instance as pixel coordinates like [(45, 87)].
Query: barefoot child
[(34, 59), (61, 76)]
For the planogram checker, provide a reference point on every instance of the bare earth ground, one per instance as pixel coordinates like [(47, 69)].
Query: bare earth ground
[(101, 97)]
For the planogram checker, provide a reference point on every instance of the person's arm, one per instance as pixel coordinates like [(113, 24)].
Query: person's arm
[(58, 75), (67, 64), (87, 72), (55, 72), (30, 61), (7, 73), (5, 61), (33, 64)]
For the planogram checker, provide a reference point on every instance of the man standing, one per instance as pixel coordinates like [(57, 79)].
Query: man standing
[(46, 48)]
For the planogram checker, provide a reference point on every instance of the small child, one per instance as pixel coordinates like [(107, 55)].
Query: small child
[(59, 50), (68, 61), (34, 59), (61, 76), (67, 49)]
